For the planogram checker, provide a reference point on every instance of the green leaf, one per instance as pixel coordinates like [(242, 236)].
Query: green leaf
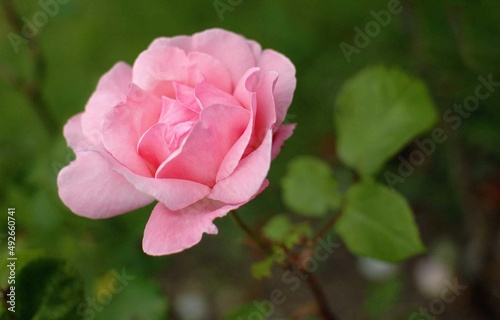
[(378, 223), (49, 289), (277, 228), (309, 187), (262, 269), (377, 112)]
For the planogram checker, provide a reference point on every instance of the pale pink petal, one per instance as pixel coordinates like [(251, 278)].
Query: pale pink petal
[(155, 69), (111, 90), (74, 135), (182, 42), (174, 193), (256, 49), (209, 95), (125, 124), (229, 48), (234, 155), (248, 177), (280, 136), (248, 100), (206, 145), (185, 95), (152, 146), (169, 231), (265, 111), (174, 112), (271, 60), (233, 51), (245, 89), (211, 69), (89, 188)]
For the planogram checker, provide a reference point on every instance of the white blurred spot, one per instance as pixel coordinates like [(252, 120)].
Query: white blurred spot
[(192, 306), (429, 277), (376, 270)]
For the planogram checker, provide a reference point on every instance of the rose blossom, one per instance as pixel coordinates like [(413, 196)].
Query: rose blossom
[(193, 124)]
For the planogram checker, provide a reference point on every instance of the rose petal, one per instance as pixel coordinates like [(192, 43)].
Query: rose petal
[(156, 69), (169, 231), (73, 132), (211, 69), (280, 136), (173, 112), (209, 95), (125, 124), (256, 49), (271, 60), (248, 100), (174, 193), (229, 48), (265, 110), (152, 146), (111, 90), (206, 145), (182, 42), (89, 188), (248, 177), (185, 95)]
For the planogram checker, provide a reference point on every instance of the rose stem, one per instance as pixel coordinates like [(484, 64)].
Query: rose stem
[(243, 226), (318, 293), (320, 297), (327, 226)]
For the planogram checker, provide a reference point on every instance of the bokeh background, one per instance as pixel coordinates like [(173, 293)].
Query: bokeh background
[(455, 194)]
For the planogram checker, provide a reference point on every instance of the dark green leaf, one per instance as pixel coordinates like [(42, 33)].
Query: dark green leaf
[(49, 289)]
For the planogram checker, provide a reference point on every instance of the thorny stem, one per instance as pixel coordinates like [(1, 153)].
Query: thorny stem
[(320, 297), (243, 226), (318, 293), (327, 226), (32, 89)]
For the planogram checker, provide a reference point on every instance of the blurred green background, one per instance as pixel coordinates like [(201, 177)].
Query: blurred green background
[(455, 193)]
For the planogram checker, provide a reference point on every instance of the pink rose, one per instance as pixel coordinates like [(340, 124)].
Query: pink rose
[(193, 124)]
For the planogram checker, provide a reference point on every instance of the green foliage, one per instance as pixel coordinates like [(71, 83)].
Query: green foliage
[(280, 230), (377, 112), (381, 297), (277, 228), (49, 289), (262, 269), (309, 187), (139, 299), (378, 223)]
